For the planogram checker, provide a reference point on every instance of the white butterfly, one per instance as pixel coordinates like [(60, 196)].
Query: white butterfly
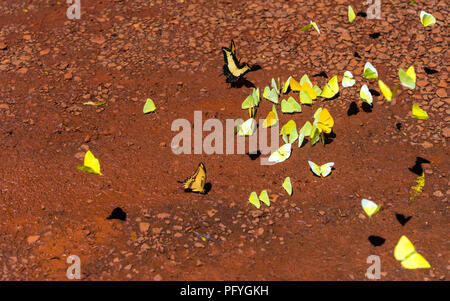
[(323, 170), (281, 154)]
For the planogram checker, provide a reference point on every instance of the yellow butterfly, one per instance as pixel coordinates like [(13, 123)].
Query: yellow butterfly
[(325, 122), (247, 128), (287, 185), (232, 68), (406, 253), (322, 170), (196, 182), (274, 93), (305, 86), (149, 106), (418, 113), (311, 24), (305, 131), (427, 19), (408, 78), (290, 106), (271, 119), (351, 14), (255, 200), (292, 84), (416, 190), (387, 93), (331, 88), (370, 71), (90, 164), (370, 208), (289, 129), (365, 94)]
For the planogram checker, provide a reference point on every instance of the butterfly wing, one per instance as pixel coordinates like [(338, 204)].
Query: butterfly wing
[(369, 71), (306, 87), (315, 134), (149, 106), (295, 105), (427, 19), (264, 197), (90, 164), (407, 80), (281, 154), (325, 122), (253, 199), (403, 249), (331, 88), (387, 93), (270, 120), (287, 185), (351, 14), (314, 24), (304, 79), (415, 261), (286, 85), (247, 128), (315, 168), (286, 107), (369, 207), (196, 182), (305, 98), (325, 169), (365, 95), (419, 113), (232, 69), (294, 85), (304, 132), (347, 80), (233, 47)]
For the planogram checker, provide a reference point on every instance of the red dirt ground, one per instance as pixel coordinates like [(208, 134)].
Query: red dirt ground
[(123, 52)]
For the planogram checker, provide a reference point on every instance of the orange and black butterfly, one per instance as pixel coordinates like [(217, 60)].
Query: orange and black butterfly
[(196, 182), (233, 69)]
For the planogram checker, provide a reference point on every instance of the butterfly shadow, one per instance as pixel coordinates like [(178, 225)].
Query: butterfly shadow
[(430, 71), (242, 82), (417, 168), (366, 107), (305, 141), (361, 14), (402, 219), (254, 155), (255, 67), (352, 109), (321, 74), (376, 241), (329, 138), (118, 213), (374, 92)]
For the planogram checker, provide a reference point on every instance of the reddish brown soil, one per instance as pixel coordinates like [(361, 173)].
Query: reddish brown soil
[(123, 52)]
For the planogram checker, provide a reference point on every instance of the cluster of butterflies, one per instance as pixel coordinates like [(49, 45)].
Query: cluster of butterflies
[(323, 122), (404, 251), (322, 125)]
